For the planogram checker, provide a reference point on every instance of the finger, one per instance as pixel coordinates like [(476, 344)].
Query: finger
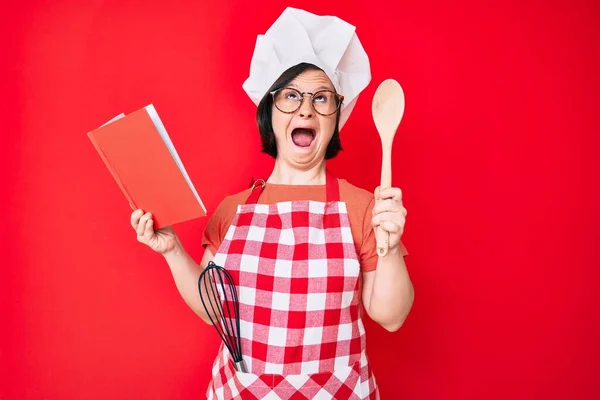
[(149, 229), (391, 193), (391, 227), (142, 225), (388, 205), (376, 193), (379, 218), (135, 217), (395, 218)]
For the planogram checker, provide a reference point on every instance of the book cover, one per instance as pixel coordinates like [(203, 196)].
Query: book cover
[(141, 157)]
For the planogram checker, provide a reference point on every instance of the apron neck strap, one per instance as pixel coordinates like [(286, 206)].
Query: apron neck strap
[(331, 186)]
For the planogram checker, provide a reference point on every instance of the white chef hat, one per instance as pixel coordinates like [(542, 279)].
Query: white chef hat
[(328, 42)]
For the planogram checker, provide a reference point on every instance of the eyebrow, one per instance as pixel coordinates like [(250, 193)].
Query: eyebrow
[(316, 90)]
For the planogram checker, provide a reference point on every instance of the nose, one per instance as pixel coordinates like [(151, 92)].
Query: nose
[(306, 108)]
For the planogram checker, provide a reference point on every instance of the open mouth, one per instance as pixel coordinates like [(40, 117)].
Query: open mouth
[(303, 137)]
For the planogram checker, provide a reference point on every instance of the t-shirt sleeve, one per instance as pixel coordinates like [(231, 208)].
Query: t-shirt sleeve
[(368, 250), (216, 227)]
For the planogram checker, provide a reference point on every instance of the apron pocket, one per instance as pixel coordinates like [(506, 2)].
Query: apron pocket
[(343, 383)]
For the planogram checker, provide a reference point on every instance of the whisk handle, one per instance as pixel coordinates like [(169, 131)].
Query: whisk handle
[(240, 366)]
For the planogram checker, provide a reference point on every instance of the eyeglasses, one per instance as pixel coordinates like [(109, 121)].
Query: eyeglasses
[(289, 100)]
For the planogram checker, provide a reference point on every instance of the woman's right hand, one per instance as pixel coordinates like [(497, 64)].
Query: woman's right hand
[(161, 240)]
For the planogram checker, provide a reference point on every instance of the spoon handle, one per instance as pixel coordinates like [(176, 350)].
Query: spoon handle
[(383, 236)]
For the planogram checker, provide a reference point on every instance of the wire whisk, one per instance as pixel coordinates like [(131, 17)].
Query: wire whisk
[(220, 300)]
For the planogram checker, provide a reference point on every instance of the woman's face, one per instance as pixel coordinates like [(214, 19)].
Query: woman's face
[(302, 137)]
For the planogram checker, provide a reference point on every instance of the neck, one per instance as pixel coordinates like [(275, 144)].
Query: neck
[(284, 174)]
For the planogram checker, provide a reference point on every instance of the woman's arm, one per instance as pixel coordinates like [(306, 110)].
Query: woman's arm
[(387, 292), (186, 273), (184, 269)]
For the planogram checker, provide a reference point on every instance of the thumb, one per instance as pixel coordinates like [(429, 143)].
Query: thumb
[(377, 193)]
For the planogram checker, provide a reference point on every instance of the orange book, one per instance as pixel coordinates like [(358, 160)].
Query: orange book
[(139, 154)]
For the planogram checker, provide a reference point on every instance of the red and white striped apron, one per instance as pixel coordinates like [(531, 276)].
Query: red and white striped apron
[(296, 271)]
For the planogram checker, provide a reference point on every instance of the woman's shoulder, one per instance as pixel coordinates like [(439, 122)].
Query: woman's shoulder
[(219, 221), (358, 196), (230, 202)]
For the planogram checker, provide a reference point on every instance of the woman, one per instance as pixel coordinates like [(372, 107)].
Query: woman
[(300, 246)]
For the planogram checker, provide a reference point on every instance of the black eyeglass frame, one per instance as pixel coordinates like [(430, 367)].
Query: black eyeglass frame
[(338, 96)]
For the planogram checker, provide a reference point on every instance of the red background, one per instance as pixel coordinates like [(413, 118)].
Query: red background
[(497, 155)]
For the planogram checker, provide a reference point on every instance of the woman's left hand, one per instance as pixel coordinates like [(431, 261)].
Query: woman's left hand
[(390, 214)]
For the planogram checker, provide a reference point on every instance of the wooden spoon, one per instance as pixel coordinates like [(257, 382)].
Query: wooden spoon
[(388, 109)]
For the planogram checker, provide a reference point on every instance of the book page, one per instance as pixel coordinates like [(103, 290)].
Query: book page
[(114, 119), (165, 136)]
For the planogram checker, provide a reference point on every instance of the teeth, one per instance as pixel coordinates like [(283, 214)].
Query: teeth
[(311, 131)]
